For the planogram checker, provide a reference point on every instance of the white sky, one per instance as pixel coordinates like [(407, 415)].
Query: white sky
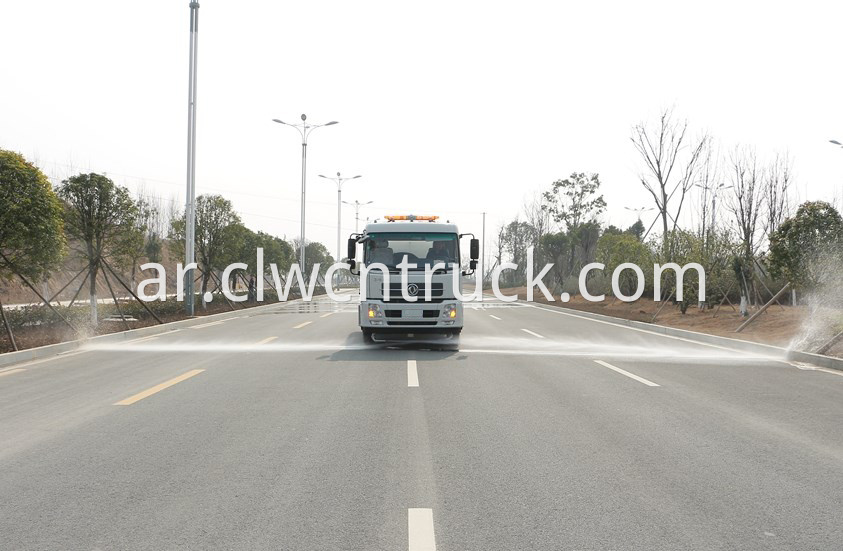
[(449, 108)]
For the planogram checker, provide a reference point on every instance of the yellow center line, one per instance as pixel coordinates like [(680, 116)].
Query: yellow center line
[(299, 326), (267, 340), (18, 370), (158, 388)]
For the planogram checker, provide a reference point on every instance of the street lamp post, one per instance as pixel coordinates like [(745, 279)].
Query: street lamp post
[(190, 195), (305, 130), (639, 210), (714, 190), (357, 204), (339, 181)]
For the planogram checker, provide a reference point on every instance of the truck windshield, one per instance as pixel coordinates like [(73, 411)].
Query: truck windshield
[(422, 249)]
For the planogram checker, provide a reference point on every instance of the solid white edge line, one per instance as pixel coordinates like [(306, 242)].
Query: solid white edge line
[(555, 310), (533, 333), (831, 371), (627, 373), (142, 339), (11, 371), (200, 326), (420, 535), (412, 374)]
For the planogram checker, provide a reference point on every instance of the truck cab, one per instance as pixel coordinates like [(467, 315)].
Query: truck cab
[(418, 308)]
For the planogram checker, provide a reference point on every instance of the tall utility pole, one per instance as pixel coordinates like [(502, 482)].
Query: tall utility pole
[(305, 130), (357, 204), (190, 200), (339, 181)]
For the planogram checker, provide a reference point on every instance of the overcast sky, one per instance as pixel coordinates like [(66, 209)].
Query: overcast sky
[(449, 108)]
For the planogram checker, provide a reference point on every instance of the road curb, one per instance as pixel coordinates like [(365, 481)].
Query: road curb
[(704, 338), (8, 359)]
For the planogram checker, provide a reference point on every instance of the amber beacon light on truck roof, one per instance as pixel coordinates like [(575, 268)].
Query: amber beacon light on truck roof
[(410, 217)]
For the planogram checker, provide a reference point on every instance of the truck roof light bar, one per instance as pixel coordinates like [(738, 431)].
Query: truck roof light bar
[(411, 218)]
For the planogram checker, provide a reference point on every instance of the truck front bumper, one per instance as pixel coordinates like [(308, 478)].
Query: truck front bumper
[(411, 317)]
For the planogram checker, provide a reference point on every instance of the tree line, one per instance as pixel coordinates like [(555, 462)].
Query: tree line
[(731, 212), (108, 233)]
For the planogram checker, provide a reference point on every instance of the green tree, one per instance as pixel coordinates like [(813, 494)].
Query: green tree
[(275, 251), (808, 248), (614, 249), (31, 225), (217, 235), (556, 249), (574, 200), (100, 218), (314, 253), (637, 229), (31, 237)]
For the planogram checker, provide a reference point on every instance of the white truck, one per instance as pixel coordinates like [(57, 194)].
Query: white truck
[(423, 306)]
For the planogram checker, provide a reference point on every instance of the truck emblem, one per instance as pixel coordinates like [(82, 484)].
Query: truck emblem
[(412, 289)]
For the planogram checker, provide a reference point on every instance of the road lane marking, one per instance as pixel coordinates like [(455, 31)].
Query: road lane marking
[(11, 371), (627, 373), (158, 388), (299, 326), (412, 374), (420, 530), (532, 333), (201, 325), (555, 310), (832, 371), (267, 340), (142, 339), (493, 316), (326, 315)]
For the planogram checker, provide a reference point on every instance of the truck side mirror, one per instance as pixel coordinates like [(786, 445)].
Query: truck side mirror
[(474, 252), (352, 249)]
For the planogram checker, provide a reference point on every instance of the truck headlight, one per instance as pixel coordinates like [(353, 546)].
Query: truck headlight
[(375, 311), (449, 311)]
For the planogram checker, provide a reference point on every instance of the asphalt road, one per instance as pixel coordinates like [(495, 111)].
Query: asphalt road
[(282, 430)]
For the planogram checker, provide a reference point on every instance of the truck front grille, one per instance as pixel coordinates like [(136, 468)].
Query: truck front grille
[(436, 292)]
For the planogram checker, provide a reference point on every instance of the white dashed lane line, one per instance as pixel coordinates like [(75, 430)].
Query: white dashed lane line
[(626, 373), (412, 374), (420, 530), (532, 333), (299, 326), (267, 340), (495, 317)]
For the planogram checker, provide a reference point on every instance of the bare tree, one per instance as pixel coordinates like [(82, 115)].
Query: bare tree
[(539, 217), (746, 204), (671, 159), (709, 182), (747, 198), (777, 182)]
